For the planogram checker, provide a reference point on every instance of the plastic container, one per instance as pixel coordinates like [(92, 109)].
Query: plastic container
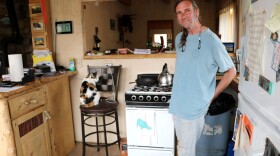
[(230, 151), (72, 64), (214, 138)]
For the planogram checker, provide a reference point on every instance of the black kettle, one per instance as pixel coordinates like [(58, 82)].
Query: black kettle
[(164, 78)]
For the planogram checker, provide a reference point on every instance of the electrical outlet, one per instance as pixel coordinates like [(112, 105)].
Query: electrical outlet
[(79, 63)]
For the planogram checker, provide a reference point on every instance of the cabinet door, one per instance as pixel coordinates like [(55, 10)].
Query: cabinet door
[(61, 123), (32, 133)]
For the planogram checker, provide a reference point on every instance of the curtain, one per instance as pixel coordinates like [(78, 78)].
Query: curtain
[(227, 23)]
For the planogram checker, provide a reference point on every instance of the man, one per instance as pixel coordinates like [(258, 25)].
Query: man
[(199, 54)]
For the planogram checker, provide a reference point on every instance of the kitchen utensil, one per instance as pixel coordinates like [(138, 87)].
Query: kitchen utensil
[(164, 78), (145, 81)]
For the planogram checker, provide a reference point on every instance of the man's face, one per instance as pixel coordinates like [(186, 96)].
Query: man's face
[(186, 14)]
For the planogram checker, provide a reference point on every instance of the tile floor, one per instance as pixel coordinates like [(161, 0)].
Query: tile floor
[(92, 151)]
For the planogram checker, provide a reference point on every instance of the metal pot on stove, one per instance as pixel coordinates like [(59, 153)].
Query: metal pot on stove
[(164, 78)]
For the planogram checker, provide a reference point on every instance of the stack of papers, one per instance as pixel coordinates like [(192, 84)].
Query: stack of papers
[(142, 51), (124, 50), (41, 57)]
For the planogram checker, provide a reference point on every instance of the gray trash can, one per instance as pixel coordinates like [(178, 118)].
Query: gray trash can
[(214, 138)]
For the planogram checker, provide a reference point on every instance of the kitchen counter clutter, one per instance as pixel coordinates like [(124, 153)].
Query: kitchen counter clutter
[(36, 119), (38, 82), (166, 54)]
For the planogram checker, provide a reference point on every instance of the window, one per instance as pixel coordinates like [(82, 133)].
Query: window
[(227, 23), (157, 38)]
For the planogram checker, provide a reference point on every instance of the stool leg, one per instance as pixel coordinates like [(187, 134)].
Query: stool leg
[(97, 133), (105, 135), (117, 127), (83, 134)]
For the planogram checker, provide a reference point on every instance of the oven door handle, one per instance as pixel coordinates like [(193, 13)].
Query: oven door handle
[(145, 108)]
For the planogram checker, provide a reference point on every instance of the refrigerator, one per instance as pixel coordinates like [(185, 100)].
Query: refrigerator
[(259, 77)]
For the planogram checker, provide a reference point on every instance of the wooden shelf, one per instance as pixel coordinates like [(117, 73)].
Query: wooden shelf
[(131, 56)]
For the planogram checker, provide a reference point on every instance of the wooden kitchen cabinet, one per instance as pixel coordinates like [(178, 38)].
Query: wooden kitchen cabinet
[(37, 118), (61, 123), (29, 121)]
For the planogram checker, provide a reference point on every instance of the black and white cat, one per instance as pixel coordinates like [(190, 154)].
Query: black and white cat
[(89, 95)]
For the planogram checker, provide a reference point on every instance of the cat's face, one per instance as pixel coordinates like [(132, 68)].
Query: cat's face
[(92, 78), (92, 75)]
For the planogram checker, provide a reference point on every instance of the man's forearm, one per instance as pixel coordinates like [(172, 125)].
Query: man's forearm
[(225, 81)]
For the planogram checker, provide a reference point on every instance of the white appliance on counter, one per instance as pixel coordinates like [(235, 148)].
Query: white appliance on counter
[(150, 128), (261, 106)]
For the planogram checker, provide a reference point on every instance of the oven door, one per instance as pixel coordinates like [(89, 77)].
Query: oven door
[(149, 127)]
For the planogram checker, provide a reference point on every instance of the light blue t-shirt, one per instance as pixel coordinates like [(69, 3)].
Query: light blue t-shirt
[(194, 80)]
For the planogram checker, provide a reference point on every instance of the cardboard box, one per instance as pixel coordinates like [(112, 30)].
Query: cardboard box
[(123, 147)]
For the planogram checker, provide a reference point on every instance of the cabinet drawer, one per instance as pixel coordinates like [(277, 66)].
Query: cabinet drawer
[(26, 102)]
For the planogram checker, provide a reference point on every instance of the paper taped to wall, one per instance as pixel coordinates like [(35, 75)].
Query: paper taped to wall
[(273, 23)]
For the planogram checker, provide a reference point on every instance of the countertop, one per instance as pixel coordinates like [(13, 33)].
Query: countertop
[(37, 82), (132, 56)]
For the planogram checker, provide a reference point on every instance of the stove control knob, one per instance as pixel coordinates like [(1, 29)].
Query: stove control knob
[(156, 98), (163, 98), (141, 98), (133, 97), (148, 98)]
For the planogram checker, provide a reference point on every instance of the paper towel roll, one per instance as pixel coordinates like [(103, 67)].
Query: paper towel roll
[(16, 67)]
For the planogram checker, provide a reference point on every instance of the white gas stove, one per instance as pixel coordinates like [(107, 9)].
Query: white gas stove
[(150, 128)]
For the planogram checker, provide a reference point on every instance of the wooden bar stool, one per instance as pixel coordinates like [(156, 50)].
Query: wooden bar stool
[(106, 110)]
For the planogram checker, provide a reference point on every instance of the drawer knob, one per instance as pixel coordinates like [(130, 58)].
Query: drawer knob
[(33, 101), (30, 102)]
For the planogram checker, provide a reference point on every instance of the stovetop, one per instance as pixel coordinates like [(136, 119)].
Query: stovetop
[(148, 96), (144, 96)]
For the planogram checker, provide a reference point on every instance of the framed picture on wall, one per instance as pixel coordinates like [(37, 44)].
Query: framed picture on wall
[(63, 27), (37, 25), (35, 9), (39, 41), (229, 46)]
